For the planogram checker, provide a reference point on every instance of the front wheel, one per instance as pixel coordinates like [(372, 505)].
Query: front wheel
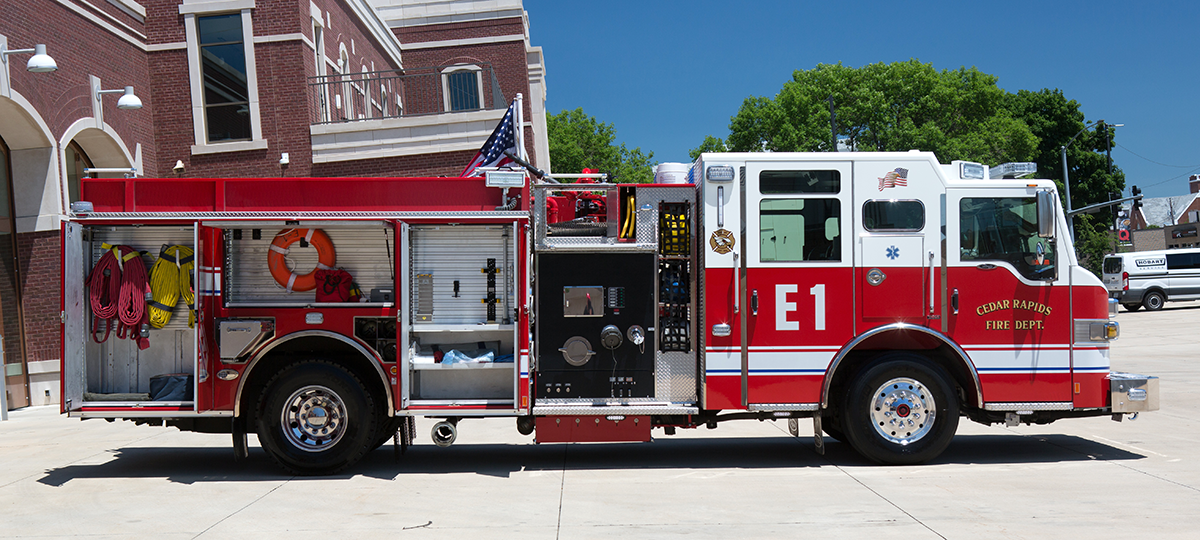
[(316, 418), (1154, 301), (902, 410), (1132, 307)]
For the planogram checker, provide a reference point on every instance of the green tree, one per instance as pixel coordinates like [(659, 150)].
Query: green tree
[(1054, 120), (901, 106), (710, 144), (579, 141)]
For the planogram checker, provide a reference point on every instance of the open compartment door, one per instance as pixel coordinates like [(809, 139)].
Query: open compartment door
[(75, 320), (460, 346)]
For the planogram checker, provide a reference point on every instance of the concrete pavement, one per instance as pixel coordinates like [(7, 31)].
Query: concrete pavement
[(1094, 478)]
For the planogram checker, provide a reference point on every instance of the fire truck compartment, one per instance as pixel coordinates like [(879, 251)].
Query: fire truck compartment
[(364, 249), (115, 371), (458, 314)]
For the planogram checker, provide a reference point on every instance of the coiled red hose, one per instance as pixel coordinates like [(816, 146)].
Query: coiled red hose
[(117, 289)]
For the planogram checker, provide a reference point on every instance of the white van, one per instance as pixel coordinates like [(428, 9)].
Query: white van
[(1151, 278)]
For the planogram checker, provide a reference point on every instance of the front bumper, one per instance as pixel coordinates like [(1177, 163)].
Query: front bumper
[(1133, 393)]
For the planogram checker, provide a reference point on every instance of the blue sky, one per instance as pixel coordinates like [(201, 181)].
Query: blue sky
[(667, 73)]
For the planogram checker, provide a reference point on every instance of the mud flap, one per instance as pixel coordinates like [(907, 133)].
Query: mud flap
[(241, 449), (818, 439)]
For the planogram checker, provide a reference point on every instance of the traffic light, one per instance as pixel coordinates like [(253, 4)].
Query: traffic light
[(1137, 203)]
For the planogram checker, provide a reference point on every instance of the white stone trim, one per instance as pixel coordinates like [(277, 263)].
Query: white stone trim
[(135, 38), (393, 137), (40, 221), (463, 42), (235, 146), (377, 29), (421, 16), (296, 36), (134, 9), (204, 7), (81, 125), (158, 47)]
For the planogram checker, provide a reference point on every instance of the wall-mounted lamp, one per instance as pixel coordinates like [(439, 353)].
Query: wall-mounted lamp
[(127, 101), (39, 63)]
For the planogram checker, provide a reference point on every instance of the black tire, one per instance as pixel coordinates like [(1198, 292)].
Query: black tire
[(897, 390), (1132, 307), (831, 424), (834, 432), (316, 418), (1154, 300)]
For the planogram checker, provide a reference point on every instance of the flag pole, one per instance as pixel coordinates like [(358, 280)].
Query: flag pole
[(521, 126)]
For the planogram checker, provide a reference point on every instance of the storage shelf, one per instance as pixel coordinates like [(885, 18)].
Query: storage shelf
[(430, 328), (464, 366)]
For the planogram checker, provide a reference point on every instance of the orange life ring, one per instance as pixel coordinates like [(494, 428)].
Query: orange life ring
[(326, 258)]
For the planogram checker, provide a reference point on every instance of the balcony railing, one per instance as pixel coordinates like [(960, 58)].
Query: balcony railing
[(402, 93)]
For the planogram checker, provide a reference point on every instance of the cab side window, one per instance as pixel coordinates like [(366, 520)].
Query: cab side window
[(1005, 229), (907, 216), (803, 221)]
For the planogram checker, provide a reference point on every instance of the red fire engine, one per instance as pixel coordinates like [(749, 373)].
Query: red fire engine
[(883, 295)]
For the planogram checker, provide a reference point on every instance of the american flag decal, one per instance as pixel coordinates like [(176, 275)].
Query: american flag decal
[(898, 177)]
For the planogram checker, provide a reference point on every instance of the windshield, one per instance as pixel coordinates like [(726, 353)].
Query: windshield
[(1005, 229)]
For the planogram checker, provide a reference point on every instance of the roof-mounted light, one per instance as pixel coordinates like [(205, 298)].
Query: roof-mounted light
[(970, 171), (1016, 169)]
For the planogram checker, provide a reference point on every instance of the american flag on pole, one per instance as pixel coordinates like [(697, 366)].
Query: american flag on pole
[(503, 139), (898, 177)]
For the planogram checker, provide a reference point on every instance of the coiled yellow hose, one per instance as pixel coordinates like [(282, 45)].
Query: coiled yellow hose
[(171, 280)]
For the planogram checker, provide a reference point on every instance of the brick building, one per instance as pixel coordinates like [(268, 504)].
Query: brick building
[(231, 88)]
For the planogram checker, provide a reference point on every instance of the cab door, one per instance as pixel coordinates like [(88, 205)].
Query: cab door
[(798, 290), (1010, 304)]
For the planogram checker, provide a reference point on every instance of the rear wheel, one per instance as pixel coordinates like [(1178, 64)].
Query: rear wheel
[(1154, 301), (316, 418), (901, 410)]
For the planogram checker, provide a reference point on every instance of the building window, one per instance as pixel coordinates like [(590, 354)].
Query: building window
[(223, 68), (463, 88)]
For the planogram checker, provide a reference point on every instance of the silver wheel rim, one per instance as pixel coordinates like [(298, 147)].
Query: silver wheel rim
[(903, 411), (1154, 302), (314, 418)]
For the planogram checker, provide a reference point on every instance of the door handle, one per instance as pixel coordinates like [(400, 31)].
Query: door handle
[(737, 285), (954, 301), (754, 303)]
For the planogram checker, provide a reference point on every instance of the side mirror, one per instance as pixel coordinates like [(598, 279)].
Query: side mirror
[(1046, 215)]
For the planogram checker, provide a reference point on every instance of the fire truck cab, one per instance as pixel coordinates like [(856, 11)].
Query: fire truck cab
[(883, 295)]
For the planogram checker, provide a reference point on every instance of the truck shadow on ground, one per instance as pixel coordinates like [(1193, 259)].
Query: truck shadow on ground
[(192, 465)]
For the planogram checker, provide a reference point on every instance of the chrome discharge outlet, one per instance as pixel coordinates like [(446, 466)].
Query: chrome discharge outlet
[(444, 433)]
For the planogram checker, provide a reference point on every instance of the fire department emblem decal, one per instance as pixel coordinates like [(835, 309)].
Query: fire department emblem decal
[(721, 241)]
